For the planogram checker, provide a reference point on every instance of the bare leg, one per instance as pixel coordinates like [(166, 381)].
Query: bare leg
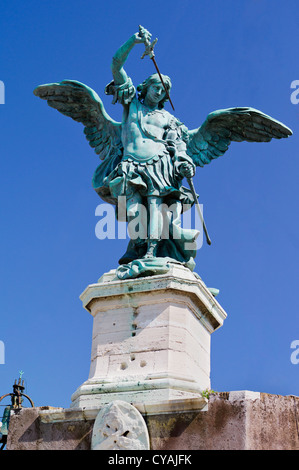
[(155, 225), (137, 219)]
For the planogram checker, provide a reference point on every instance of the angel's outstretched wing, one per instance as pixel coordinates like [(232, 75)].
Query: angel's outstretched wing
[(221, 127), (81, 103)]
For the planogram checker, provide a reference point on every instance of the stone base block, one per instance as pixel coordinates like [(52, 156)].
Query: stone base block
[(151, 338)]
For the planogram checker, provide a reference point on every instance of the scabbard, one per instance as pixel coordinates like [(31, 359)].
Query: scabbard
[(190, 182)]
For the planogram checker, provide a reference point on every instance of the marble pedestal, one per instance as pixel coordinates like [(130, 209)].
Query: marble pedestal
[(150, 341)]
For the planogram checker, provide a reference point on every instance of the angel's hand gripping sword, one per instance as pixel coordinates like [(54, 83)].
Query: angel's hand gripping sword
[(149, 50)]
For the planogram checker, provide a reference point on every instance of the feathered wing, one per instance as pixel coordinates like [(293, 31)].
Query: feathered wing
[(223, 126), (81, 103)]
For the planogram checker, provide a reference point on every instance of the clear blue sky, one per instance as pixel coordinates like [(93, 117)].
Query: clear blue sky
[(218, 54)]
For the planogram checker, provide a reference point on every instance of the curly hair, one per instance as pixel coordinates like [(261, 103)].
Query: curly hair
[(143, 87)]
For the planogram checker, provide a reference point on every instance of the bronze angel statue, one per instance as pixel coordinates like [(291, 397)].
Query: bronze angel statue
[(145, 158)]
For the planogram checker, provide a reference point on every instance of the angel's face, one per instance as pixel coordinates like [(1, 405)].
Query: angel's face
[(155, 93)]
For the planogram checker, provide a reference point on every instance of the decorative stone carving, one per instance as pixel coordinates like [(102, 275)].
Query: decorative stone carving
[(119, 426)]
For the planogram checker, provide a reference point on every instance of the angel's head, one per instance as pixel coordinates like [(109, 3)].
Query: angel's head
[(152, 81)]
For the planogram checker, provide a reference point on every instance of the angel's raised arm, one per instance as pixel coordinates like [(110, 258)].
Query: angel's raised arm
[(120, 57)]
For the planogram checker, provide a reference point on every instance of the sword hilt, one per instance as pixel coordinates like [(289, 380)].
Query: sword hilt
[(149, 47)]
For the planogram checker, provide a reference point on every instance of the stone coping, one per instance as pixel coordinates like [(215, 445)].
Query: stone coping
[(54, 415), (179, 279)]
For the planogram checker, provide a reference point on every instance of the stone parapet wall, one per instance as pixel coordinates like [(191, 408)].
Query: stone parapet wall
[(241, 420)]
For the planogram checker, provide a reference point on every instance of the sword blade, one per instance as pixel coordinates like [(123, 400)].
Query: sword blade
[(160, 76), (149, 50)]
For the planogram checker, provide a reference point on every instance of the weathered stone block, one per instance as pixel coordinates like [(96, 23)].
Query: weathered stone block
[(151, 338)]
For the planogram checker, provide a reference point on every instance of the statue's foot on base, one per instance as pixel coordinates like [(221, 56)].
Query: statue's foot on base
[(146, 266), (151, 252)]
